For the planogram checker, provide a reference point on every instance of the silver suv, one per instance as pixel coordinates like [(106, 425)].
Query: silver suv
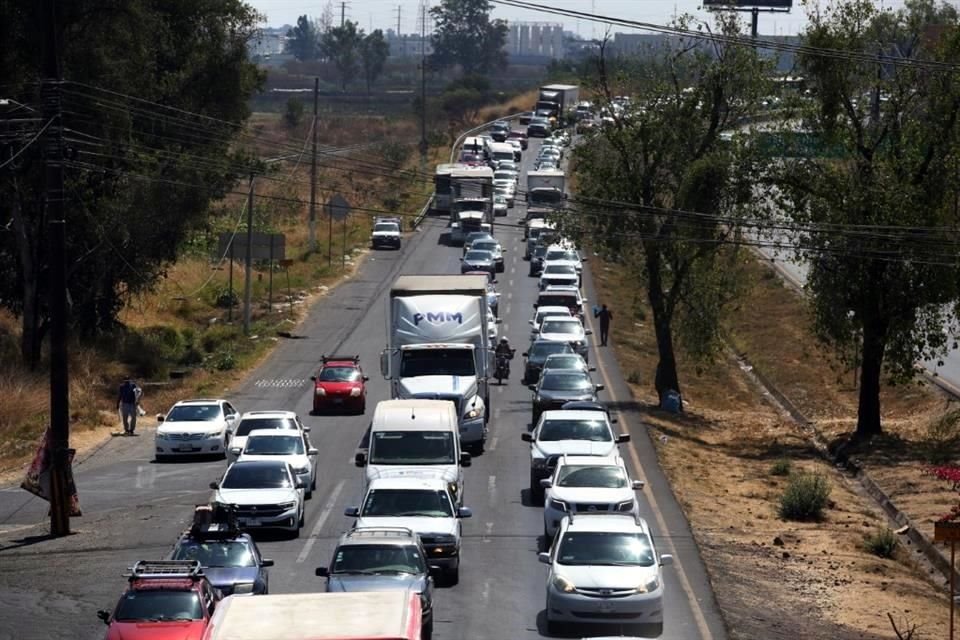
[(382, 559)]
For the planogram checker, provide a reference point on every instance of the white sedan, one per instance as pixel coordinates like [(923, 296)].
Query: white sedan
[(288, 446), (568, 330), (195, 427), (266, 493)]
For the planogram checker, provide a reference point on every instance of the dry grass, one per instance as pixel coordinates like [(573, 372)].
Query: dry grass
[(773, 579)]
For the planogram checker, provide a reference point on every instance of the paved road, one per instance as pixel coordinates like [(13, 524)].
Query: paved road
[(134, 508)]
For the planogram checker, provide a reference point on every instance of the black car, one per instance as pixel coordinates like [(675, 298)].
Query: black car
[(538, 128), (382, 559), (499, 131), (559, 387), (537, 355), (536, 259), (230, 558), (524, 117), (478, 261)]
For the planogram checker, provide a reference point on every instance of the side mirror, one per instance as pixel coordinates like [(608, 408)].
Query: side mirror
[(160, 417), (623, 437), (524, 354), (236, 451), (526, 436), (104, 615), (360, 459), (366, 378), (313, 378), (466, 459), (666, 559), (584, 259), (638, 485), (543, 557), (599, 387), (464, 512), (214, 485), (546, 483), (588, 332), (530, 322), (306, 429), (352, 512), (532, 387), (385, 364), (301, 484), (613, 420), (591, 368), (313, 452), (266, 562), (321, 572)]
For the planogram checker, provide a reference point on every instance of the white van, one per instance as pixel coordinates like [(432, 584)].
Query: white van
[(477, 145), (501, 151), (415, 438)]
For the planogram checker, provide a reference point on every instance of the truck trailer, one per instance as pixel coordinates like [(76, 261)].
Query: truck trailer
[(438, 346), (471, 191), (545, 192), (556, 100)]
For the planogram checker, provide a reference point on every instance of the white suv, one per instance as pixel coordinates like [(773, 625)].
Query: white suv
[(195, 427), (423, 505), (252, 420), (604, 568), (586, 484)]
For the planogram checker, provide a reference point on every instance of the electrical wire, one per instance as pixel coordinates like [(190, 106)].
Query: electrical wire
[(27, 146)]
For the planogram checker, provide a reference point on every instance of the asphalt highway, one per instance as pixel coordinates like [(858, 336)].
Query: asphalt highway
[(135, 508)]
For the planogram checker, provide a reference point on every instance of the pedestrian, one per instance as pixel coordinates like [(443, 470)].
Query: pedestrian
[(605, 316), (128, 400)]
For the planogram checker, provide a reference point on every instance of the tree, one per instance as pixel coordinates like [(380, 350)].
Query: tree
[(466, 35), (341, 45), (294, 113), (303, 40), (373, 55), (883, 278), (652, 183), (147, 174)]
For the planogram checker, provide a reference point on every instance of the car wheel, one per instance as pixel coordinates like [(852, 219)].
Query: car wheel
[(452, 576), (313, 484), (303, 519), (427, 632), (536, 491), (553, 627)]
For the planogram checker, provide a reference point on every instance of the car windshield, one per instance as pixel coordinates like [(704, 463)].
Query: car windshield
[(605, 548), (539, 252), (605, 476), (475, 235), (557, 300), (435, 362), (540, 350), (584, 429), (194, 413), (386, 226), (412, 447), (552, 325), (560, 254), (374, 559), (249, 424), (478, 256), (485, 245), (159, 605), (274, 445), (401, 503), (566, 381), (339, 374), (504, 175), (216, 553), (551, 314), (570, 361), (560, 269), (257, 476)]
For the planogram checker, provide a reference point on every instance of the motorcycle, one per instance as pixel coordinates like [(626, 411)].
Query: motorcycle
[(502, 371)]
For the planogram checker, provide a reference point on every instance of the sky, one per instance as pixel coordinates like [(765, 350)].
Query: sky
[(382, 14)]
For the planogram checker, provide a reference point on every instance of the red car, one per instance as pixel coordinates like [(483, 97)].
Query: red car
[(165, 600), (340, 386)]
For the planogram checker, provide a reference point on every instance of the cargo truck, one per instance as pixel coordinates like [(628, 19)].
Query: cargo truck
[(545, 192), (375, 615), (471, 201), (438, 346), (555, 101)]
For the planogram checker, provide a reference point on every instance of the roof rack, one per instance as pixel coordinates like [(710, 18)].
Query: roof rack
[(165, 569), (637, 518), (325, 358), (375, 532), (214, 521)]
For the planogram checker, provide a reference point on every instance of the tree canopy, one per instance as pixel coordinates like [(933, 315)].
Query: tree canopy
[(303, 40), (373, 56), (466, 36), (341, 45)]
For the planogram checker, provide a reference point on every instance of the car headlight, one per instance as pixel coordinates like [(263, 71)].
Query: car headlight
[(559, 505), (538, 462), (304, 469), (626, 505), (243, 587), (213, 434), (355, 392), (648, 586), (562, 584), (320, 391), (444, 538), (286, 506)]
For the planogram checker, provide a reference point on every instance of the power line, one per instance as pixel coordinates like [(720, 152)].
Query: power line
[(27, 146)]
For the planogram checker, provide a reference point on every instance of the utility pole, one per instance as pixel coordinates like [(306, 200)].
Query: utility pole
[(343, 13), (399, 9), (248, 261), (424, 147), (59, 442), (312, 225)]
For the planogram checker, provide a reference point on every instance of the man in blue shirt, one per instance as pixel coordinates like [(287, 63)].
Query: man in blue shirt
[(127, 401)]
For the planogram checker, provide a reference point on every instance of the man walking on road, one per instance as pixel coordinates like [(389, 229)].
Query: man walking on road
[(127, 403), (605, 316)]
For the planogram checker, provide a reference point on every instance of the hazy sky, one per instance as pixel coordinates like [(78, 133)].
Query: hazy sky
[(382, 14)]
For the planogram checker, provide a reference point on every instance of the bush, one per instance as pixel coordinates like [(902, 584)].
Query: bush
[(781, 467), (633, 377), (395, 153), (805, 497), (225, 361), (294, 113), (152, 350), (882, 543), (218, 335), (225, 298), (942, 437)]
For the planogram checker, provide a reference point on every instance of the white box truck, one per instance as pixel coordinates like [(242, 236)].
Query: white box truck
[(555, 101), (471, 196), (545, 192), (438, 346)]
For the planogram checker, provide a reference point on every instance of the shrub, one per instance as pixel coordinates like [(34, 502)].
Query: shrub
[(633, 377), (781, 467), (225, 298), (217, 335), (882, 543), (152, 350), (805, 497), (225, 361), (942, 437), (294, 113)]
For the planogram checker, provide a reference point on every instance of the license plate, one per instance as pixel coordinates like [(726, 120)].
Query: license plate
[(338, 401), (186, 449), (251, 522), (606, 607)]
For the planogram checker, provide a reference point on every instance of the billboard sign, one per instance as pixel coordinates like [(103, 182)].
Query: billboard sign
[(745, 5)]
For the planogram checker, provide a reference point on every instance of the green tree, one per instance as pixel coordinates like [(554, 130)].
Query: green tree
[(303, 40), (651, 183), (294, 113), (146, 175), (341, 45), (373, 55), (466, 36), (879, 214)]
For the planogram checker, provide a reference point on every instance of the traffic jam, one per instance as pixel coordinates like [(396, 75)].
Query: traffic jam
[(443, 358)]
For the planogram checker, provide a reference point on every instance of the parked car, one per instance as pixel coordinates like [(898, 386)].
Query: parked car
[(340, 386)]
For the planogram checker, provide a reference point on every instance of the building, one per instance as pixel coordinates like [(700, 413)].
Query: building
[(535, 41), (408, 45), (267, 42)]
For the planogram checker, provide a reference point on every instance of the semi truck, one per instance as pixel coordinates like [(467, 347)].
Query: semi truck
[(374, 615), (545, 192), (438, 346), (471, 201), (555, 100)]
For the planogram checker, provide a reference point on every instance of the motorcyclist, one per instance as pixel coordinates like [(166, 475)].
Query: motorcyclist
[(504, 354)]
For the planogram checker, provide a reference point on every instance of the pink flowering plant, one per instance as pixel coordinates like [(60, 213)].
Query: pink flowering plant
[(950, 474)]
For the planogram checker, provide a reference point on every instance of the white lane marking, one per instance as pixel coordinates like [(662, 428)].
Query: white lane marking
[(492, 489), (493, 443), (489, 531), (664, 538), (496, 412), (485, 594), (510, 283), (327, 510), (509, 294), (513, 270), (146, 476)]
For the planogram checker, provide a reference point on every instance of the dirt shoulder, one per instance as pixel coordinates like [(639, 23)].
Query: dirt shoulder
[(775, 578)]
